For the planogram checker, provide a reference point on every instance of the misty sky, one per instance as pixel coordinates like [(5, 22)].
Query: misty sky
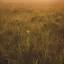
[(32, 0)]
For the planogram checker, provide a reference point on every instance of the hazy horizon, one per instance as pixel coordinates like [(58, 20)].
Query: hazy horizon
[(21, 1), (36, 4)]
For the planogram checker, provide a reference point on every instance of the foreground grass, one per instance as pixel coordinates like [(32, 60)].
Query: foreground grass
[(28, 37)]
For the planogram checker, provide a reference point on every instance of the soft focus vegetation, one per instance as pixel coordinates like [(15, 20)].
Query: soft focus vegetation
[(31, 36)]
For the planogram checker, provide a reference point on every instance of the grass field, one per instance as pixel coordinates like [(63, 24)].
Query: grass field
[(32, 36)]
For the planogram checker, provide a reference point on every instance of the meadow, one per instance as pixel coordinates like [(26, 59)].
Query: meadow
[(29, 36)]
